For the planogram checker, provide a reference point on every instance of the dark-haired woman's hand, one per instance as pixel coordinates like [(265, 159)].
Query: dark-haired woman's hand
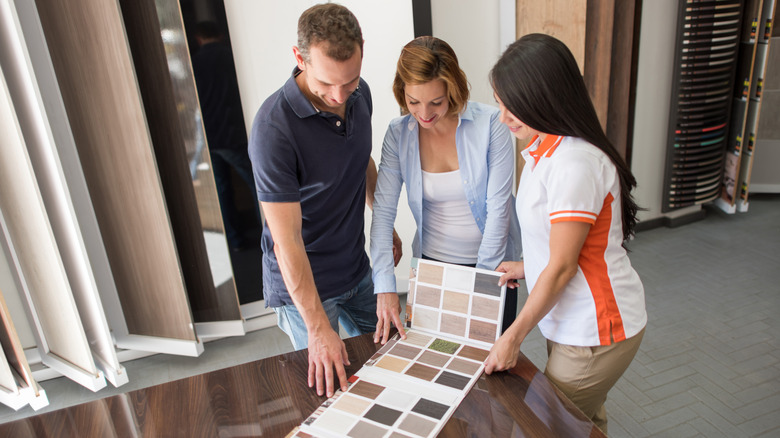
[(512, 272)]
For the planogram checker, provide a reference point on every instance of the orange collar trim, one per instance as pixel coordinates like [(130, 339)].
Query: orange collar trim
[(545, 148)]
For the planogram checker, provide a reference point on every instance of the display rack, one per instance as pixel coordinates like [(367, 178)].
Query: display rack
[(704, 70), (751, 66)]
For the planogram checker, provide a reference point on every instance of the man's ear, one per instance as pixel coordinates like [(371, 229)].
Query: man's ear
[(299, 58)]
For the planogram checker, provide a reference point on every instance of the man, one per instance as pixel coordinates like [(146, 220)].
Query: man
[(310, 148)]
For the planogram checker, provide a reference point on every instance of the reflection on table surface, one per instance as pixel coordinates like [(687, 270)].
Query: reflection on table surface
[(269, 397)]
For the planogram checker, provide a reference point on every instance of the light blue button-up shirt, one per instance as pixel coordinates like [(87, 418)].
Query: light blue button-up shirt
[(486, 159)]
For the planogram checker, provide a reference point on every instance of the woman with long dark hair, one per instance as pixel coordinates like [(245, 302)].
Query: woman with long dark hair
[(575, 209)]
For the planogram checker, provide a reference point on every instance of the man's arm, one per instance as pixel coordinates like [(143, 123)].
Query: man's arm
[(326, 349)]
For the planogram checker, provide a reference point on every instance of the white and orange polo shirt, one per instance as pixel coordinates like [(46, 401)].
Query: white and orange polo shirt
[(569, 179)]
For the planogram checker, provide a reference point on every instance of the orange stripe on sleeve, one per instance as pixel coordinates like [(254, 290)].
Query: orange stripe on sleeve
[(573, 219)]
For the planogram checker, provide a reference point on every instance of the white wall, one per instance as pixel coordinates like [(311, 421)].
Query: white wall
[(473, 30), (653, 101)]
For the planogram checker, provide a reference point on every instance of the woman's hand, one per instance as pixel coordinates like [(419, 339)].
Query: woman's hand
[(504, 353), (512, 272)]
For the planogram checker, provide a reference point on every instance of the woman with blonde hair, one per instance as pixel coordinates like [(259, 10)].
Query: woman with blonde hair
[(457, 161)]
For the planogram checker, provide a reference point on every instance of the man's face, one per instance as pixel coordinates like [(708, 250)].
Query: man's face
[(327, 82)]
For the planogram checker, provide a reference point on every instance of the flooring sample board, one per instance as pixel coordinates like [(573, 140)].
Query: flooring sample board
[(50, 174), (29, 241), (411, 387), (171, 103), (95, 73), (17, 386)]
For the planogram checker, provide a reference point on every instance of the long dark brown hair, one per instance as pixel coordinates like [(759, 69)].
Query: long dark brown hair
[(538, 81)]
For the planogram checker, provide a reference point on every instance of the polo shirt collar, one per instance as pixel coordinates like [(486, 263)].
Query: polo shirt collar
[(538, 149), (295, 97), (299, 103)]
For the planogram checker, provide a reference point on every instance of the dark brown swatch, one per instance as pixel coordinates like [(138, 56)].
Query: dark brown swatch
[(430, 408), (382, 414), (422, 372), (366, 389), (474, 353), (452, 380)]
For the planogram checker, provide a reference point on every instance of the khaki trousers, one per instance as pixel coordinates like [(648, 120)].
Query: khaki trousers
[(586, 374)]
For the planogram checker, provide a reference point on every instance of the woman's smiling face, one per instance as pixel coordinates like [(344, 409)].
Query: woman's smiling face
[(427, 102)]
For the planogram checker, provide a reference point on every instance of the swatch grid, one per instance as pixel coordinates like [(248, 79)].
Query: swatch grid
[(410, 388)]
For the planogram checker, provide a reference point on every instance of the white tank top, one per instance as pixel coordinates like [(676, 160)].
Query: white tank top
[(449, 233)]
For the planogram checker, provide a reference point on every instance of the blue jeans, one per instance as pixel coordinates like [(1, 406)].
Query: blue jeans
[(354, 309)]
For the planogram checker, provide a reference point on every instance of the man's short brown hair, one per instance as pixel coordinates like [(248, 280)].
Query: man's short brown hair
[(333, 24)]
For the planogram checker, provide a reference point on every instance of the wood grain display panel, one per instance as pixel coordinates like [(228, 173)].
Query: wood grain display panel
[(700, 110), (51, 171), (143, 27), (602, 36), (563, 19), (12, 347), (31, 245), (94, 70)]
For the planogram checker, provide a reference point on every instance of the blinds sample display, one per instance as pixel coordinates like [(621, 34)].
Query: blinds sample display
[(706, 53)]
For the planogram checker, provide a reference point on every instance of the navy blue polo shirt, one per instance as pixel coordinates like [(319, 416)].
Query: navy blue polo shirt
[(300, 154)]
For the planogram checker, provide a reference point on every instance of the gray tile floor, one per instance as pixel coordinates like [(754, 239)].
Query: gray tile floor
[(709, 365)]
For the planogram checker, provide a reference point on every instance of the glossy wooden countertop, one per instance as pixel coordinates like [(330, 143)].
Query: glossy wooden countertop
[(269, 397)]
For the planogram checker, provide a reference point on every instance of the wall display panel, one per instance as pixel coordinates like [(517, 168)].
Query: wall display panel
[(704, 70), (754, 102), (40, 274), (158, 44), (603, 37), (17, 386), (94, 71), (765, 177), (50, 176), (737, 133)]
